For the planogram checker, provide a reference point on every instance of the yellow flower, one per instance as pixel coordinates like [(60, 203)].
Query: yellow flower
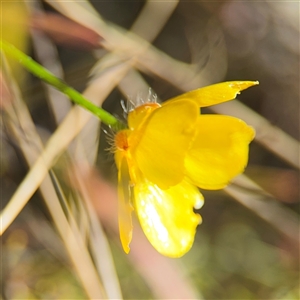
[(167, 152)]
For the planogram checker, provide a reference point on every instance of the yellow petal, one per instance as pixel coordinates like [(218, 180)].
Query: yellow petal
[(219, 151), (167, 216), (216, 93), (125, 204), (140, 114), (160, 146)]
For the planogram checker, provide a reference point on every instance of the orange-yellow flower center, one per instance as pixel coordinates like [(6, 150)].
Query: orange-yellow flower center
[(121, 140)]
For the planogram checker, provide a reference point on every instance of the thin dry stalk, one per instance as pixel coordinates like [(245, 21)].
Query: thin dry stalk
[(264, 205), (47, 55), (129, 46), (148, 30), (19, 118), (153, 18), (98, 242), (57, 143)]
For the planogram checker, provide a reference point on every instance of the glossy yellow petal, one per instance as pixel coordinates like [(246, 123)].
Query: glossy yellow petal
[(140, 114), (167, 216), (216, 93), (162, 143), (125, 204), (219, 151)]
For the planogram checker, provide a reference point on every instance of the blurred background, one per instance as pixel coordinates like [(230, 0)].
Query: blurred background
[(64, 243)]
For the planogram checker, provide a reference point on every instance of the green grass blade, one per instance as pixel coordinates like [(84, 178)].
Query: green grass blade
[(39, 71)]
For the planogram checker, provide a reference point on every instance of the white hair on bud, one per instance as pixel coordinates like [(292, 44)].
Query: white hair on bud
[(140, 99)]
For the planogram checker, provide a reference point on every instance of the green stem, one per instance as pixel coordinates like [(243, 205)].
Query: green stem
[(39, 71)]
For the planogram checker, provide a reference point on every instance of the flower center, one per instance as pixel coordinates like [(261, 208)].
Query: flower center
[(121, 140)]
